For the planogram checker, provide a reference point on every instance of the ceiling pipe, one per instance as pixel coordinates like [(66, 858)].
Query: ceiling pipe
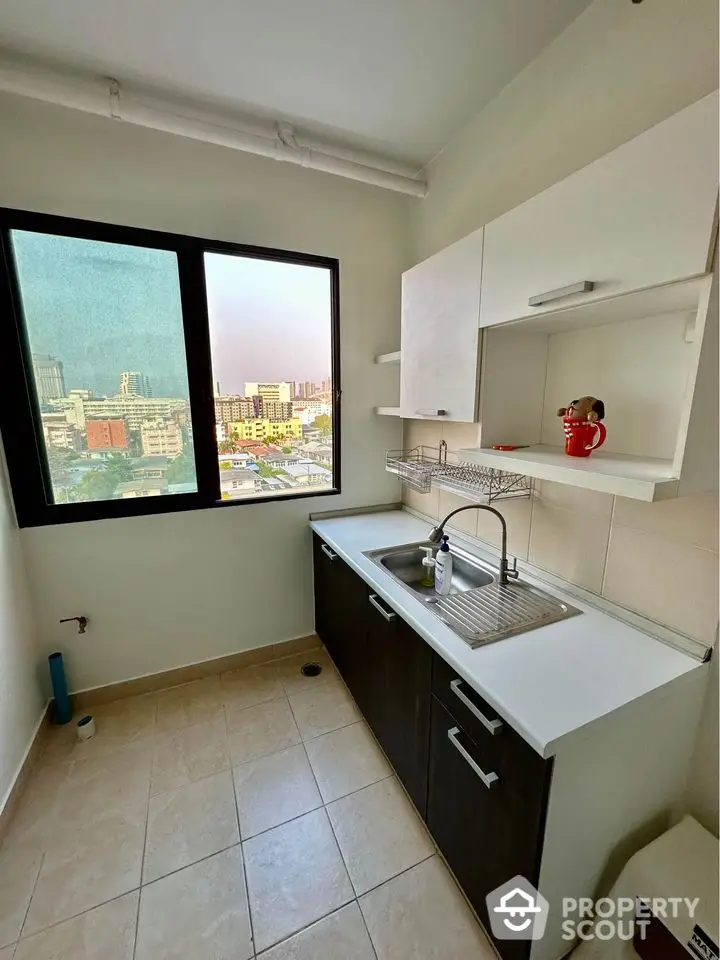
[(105, 97)]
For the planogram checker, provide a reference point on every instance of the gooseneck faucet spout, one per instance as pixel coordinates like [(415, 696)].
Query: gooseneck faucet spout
[(506, 571)]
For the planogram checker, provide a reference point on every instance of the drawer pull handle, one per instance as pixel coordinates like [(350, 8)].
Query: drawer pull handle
[(582, 286), (489, 779), (328, 552), (431, 413), (389, 615), (493, 726)]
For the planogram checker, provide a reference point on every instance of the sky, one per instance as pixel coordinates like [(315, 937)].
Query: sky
[(104, 308), (268, 321)]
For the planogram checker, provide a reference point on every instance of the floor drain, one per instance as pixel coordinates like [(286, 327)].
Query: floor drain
[(311, 669)]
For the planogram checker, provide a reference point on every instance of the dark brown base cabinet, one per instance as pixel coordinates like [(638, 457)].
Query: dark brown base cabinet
[(480, 787)]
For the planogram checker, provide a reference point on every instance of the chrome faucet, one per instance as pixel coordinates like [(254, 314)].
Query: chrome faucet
[(507, 572)]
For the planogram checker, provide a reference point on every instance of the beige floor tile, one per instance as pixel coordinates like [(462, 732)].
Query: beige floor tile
[(295, 876), (323, 709), (96, 787), (87, 866), (19, 868), (7, 953), (379, 833), (422, 914), (196, 702), (189, 823), (257, 731), (250, 685), (104, 933), (346, 760), (341, 936), (274, 789), (294, 681), (59, 743), (34, 821), (199, 913), (121, 722), (190, 754)]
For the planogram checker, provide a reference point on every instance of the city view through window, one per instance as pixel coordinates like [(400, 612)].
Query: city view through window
[(270, 337), (105, 331)]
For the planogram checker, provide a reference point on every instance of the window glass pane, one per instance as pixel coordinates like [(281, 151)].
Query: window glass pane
[(104, 324), (270, 334)]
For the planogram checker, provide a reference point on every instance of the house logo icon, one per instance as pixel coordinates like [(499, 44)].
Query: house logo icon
[(517, 911)]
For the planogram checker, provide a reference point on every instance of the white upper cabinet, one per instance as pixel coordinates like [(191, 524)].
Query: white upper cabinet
[(640, 216), (440, 339)]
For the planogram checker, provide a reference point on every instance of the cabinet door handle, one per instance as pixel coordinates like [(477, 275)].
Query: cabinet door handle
[(489, 779), (328, 552), (389, 615), (431, 413), (582, 286), (493, 726)]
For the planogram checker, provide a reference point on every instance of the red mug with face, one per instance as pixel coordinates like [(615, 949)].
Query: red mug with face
[(582, 437)]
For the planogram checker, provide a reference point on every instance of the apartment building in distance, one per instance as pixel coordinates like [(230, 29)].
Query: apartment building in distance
[(263, 429), (131, 408), (136, 383), (59, 433), (49, 378), (281, 390), (107, 435), (231, 409), (161, 438)]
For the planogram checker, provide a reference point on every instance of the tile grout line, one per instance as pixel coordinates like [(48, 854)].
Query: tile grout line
[(241, 843), (147, 820), (32, 897), (75, 916)]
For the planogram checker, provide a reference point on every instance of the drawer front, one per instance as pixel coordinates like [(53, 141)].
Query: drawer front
[(521, 767), (487, 833)]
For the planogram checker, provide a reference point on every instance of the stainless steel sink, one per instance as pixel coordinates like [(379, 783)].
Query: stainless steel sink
[(479, 608), (405, 564)]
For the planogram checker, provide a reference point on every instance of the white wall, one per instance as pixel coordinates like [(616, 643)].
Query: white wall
[(20, 699), (617, 70), (174, 589)]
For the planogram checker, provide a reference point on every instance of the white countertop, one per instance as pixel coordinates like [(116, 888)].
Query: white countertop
[(547, 683)]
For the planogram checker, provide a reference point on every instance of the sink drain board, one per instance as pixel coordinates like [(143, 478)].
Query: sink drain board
[(497, 611)]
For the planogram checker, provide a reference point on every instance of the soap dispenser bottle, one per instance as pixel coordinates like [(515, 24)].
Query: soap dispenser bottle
[(443, 568), (428, 565)]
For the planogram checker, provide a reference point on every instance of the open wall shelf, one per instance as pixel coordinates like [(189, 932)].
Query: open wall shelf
[(625, 476)]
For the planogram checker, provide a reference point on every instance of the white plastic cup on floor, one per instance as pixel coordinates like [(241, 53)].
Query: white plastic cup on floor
[(86, 728)]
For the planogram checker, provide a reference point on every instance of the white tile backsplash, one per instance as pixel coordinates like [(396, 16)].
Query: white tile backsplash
[(660, 559)]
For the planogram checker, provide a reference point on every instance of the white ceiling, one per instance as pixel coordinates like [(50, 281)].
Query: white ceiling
[(397, 77)]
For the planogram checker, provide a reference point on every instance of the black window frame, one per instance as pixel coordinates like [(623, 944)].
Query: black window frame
[(20, 420)]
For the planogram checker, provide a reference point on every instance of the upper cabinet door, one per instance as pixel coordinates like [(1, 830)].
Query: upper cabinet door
[(440, 339), (639, 216)]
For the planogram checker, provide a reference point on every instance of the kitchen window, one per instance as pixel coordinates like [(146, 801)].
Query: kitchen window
[(149, 372)]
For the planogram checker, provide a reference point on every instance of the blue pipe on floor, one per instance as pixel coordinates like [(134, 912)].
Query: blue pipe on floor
[(61, 704)]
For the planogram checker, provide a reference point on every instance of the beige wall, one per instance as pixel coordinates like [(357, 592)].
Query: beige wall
[(617, 70), (20, 699), (169, 590)]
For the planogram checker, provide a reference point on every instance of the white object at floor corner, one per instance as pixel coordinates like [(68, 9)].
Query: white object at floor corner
[(85, 728)]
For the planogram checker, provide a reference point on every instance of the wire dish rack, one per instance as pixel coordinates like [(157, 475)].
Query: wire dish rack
[(424, 467)]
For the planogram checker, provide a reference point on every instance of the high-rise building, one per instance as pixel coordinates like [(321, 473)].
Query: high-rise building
[(134, 382), (49, 379), (106, 435), (281, 390), (327, 385)]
